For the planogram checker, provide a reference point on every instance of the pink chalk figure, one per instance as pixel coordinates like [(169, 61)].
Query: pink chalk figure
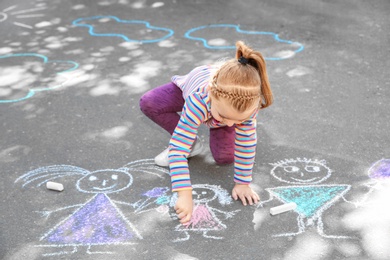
[(372, 218), (204, 217)]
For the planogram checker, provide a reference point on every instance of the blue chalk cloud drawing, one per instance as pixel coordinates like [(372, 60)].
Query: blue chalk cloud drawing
[(99, 221), (289, 48), (147, 34), (22, 75), (311, 197)]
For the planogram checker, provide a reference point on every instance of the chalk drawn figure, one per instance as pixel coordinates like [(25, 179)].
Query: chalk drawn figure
[(204, 217), (158, 196), (99, 221), (93, 31), (372, 218), (311, 199)]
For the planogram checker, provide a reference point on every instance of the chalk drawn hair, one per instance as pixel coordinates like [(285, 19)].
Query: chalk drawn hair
[(301, 160), (221, 194), (42, 175)]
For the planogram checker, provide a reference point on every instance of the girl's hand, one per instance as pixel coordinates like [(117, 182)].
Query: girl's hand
[(184, 205), (245, 193)]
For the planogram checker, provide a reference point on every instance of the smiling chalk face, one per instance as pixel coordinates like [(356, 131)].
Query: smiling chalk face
[(105, 181), (301, 172)]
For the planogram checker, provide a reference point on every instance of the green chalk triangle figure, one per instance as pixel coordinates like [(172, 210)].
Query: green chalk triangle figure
[(304, 175), (311, 202)]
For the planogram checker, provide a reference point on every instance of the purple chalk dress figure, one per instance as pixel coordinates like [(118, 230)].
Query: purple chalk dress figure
[(99, 221)]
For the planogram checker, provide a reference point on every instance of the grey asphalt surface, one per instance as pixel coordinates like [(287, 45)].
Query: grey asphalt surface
[(69, 98)]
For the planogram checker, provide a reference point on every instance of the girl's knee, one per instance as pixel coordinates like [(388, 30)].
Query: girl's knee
[(224, 160), (146, 103)]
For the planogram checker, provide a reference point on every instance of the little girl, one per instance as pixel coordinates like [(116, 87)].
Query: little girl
[(226, 98)]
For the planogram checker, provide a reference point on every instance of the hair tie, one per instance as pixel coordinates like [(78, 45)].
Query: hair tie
[(243, 60)]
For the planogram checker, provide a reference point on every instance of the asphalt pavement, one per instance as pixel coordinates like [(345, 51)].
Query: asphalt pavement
[(72, 73)]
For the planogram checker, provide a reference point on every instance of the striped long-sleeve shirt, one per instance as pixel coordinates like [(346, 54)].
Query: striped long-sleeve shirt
[(196, 111)]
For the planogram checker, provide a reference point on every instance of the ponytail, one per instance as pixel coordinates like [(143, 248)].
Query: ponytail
[(245, 55)]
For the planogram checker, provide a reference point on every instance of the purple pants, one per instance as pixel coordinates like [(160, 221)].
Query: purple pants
[(162, 105)]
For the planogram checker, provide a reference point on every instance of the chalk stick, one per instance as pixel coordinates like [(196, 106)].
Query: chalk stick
[(282, 208), (54, 186)]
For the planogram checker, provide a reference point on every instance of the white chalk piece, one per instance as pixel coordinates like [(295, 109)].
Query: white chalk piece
[(54, 186), (282, 208)]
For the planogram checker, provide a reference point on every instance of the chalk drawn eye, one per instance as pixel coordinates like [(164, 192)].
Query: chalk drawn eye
[(194, 192), (114, 177), (291, 168), (310, 168), (204, 192), (92, 178)]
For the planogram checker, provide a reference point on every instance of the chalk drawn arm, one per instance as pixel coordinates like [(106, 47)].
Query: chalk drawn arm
[(369, 188), (133, 205), (227, 214), (261, 203), (46, 213), (138, 206)]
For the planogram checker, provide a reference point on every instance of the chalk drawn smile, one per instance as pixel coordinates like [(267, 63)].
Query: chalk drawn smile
[(106, 188), (304, 181)]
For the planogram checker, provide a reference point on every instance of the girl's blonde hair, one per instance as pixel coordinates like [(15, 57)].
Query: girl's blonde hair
[(243, 80)]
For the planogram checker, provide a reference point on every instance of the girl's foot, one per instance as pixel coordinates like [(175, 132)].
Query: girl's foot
[(162, 158)]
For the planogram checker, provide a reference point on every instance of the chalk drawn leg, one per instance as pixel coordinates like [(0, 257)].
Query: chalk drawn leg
[(208, 236), (301, 229), (97, 252), (187, 236), (320, 230), (61, 252)]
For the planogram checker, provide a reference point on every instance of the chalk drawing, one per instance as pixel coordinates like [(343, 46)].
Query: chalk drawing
[(379, 174), (12, 12), (380, 170), (157, 196), (204, 217), (98, 221), (92, 30), (312, 200), (372, 218), (298, 47), (6, 83)]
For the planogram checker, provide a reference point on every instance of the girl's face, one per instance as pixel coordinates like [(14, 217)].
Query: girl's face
[(223, 112), (105, 181)]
